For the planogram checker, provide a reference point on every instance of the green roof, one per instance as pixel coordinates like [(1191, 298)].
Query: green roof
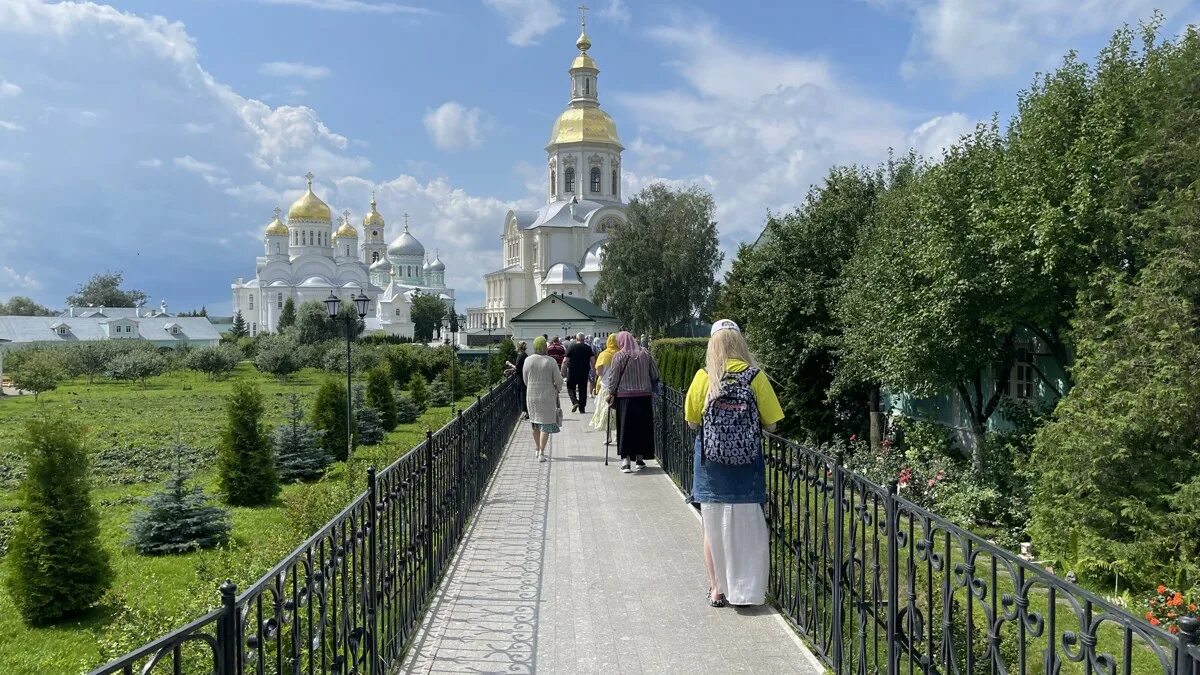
[(585, 307)]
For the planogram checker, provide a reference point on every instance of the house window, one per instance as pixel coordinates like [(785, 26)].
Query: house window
[(1023, 385), (595, 179), (569, 179), (62, 330)]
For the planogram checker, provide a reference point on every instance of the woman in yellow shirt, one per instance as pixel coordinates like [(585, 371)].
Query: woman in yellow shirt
[(603, 360), (731, 497)]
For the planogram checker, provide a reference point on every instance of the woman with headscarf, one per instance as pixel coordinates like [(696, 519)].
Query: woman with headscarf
[(631, 381), (543, 382), (731, 401), (600, 393)]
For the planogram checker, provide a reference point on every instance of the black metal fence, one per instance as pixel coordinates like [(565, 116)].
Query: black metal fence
[(350, 598), (879, 585)]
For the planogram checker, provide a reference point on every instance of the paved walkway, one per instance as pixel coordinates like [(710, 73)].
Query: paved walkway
[(573, 567)]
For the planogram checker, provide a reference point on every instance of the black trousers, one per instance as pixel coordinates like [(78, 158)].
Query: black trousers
[(577, 390)]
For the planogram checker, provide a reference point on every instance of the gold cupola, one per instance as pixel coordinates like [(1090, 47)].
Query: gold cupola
[(276, 228), (583, 121), (346, 229), (373, 218), (309, 207)]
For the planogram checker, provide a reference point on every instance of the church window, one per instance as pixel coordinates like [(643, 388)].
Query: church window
[(279, 301), (587, 86), (614, 182), (303, 238), (276, 248), (595, 179), (347, 251), (251, 302), (552, 178), (253, 329), (397, 311), (374, 256), (569, 179)]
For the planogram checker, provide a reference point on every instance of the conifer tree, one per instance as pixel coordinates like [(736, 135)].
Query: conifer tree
[(244, 463), (56, 566), (407, 412), (380, 397), (298, 451), (287, 315), (367, 420), (439, 391), (239, 329), (179, 519), (419, 391), (329, 417)]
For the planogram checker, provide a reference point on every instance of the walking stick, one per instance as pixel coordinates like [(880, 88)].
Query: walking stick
[(607, 425)]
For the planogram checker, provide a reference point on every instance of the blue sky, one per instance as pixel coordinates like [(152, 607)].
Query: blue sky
[(155, 137)]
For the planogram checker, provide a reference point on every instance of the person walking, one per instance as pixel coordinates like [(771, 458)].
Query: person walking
[(577, 367), (631, 381), (557, 351), (599, 392), (518, 370), (543, 384), (731, 401)]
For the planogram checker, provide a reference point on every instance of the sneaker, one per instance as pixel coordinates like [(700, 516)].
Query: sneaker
[(574, 408), (641, 464), (625, 467), (541, 458)]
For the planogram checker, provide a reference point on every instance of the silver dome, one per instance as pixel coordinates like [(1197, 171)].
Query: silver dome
[(406, 245)]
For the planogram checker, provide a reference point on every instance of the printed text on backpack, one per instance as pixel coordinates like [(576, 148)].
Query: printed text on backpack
[(731, 432)]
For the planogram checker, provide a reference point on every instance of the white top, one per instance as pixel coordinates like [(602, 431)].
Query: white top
[(544, 382)]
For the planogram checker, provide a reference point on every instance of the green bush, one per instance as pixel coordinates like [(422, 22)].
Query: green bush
[(244, 457), (380, 397), (137, 365), (298, 451), (678, 359), (368, 422), (439, 392), (329, 418), (179, 519), (56, 564), (407, 412), (217, 361), (277, 355), (418, 391)]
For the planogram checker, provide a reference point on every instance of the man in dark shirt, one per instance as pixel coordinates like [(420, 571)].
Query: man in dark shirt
[(556, 351), (578, 366)]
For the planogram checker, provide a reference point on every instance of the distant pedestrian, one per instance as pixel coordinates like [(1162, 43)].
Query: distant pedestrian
[(631, 381), (603, 359), (577, 367), (731, 402), (518, 370), (557, 351), (543, 383)]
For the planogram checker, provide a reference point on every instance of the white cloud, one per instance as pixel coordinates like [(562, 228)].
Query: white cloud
[(11, 279), (932, 138), (970, 41), (452, 126), (527, 19), (152, 163), (9, 89), (616, 11), (189, 163), (193, 128), (352, 6), (293, 69), (11, 126)]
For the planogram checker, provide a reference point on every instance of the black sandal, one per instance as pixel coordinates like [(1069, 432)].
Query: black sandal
[(719, 602)]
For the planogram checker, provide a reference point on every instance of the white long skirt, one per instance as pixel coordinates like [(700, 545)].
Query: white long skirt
[(600, 415), (737, 536)]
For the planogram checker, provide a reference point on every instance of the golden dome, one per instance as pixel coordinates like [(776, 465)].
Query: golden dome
[(583, 43), (584, 61), (346, 230), (373, 217), (310, 207), (584, 125), (276, 228)]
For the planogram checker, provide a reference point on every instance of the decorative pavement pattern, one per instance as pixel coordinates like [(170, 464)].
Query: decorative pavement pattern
[(574, 567)]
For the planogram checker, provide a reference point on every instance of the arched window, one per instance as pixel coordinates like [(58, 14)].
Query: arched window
[(347, 251), (276, 248), (552, 177), (595, 179), (614, 182), (374, 256), (587, 86), (251, 301), (569, 179), (303, 238)]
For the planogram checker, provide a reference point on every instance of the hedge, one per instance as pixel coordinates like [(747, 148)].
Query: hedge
[(678, 359)]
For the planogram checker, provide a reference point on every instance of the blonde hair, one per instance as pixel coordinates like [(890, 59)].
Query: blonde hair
[(724, 345)]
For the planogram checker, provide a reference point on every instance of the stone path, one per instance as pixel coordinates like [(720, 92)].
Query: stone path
[(573, 567)]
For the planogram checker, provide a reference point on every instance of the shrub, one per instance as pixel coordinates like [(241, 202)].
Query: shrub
[(380, 397), (298, 451), (368, 422), (474, 378), (678, 359), (439, 392), (137, 365), (244, 462), (1166, 606), (39, 372), (407, 412), (56, 565), (217, 362), (179, 519), (418, 391), (329, 418), (277, 356), (402, 361), (362, 357)]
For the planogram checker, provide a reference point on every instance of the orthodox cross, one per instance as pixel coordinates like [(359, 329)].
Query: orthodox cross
[(583, 15), (406, 221), (277, 212), (309, 176), (346, 215)]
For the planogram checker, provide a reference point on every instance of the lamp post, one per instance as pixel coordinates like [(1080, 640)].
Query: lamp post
[(566, 327), (332, 307)]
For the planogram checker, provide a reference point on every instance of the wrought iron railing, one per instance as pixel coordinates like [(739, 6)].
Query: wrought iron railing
[(350, 598), (878, 584)]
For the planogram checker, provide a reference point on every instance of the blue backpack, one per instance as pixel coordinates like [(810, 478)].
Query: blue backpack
[(731, 432)]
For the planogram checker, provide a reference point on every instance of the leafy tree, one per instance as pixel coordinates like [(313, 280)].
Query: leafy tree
[(56, 564), (407, 412), (427, 314), (137, 365), (20, 305), (39, 372), (240, 329), (506, 352), (179, 519), (368, 422), (104, 290), (402, 362), (379, 396), (287, 315), (217, 361), (277, 355), (418, 391), (329, 417), (298, 451), (659, 267), (453, 317), (363, 357), (91, 358), (312, 323), (245, 466), (348, 315)]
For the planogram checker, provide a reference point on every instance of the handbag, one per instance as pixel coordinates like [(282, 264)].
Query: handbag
[(558, 419)]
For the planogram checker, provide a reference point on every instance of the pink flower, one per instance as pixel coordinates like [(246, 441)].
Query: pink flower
[(853, 437), (905, 476)]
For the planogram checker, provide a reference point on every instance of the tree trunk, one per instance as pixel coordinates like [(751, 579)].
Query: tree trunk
[(876, 419)]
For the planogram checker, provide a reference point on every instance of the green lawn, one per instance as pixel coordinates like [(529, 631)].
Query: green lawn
[(129, 432)]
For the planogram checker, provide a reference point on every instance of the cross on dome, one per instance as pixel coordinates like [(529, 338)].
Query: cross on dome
[(346, 215), (309, 177), (277, 212), (406, 221), (583, 43)]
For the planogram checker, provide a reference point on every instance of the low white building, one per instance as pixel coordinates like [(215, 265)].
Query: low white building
[(563, 315), (160, 331)]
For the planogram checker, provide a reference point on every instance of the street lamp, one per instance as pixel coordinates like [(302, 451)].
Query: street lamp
[(566, 328), (332, 307)]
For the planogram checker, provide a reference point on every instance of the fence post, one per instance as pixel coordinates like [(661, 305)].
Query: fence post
[(1189, 634), (893, 574), (839, 544), (372, 585), (459, 483), (228, 632), (429, 509)]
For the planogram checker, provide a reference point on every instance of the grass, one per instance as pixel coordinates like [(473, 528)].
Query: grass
[(128, 428)]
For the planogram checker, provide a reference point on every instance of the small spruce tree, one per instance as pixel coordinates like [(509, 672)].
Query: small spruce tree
[(368, 423), (244, 463), (239, 329), (329, 417), (439, 391), (56, 566), (298, 451), (418, 390), (380, 397), (179, 519), (287, 315), (407, 412)]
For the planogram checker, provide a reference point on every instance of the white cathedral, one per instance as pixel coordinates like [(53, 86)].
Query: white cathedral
[(306, 259), (559, 247)]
